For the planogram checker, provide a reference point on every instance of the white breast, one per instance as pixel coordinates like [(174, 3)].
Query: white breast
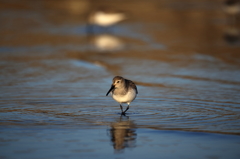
[(127, 98)]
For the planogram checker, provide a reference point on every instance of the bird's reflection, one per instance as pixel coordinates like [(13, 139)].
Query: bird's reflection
[(123, 134), (107, 43)]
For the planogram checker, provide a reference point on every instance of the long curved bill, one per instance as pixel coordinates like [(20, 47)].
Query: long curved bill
[(112, 87)]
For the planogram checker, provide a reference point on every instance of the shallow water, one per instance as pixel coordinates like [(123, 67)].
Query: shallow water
[(55, 74), (115, 143)]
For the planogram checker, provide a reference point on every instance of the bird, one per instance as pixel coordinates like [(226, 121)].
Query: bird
[(123, 91), (106, 18), (101, 20)]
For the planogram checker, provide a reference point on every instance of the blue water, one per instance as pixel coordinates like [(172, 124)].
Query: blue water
[(54, 76), (103, 142)]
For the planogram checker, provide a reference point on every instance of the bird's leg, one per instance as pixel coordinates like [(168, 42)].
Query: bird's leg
[(121, 107), (123, 113), (126, 109)]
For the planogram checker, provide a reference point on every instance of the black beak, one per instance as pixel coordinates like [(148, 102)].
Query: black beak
[(112, 87)]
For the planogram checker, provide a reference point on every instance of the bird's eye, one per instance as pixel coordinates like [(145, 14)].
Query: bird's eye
[(117, 81)]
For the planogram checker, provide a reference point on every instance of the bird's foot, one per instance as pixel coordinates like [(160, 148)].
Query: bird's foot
[(123, 113)]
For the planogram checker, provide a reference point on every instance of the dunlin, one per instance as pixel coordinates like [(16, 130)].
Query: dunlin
[(123, 91)]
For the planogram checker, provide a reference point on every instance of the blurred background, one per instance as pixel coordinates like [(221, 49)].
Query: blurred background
[(58, 58)]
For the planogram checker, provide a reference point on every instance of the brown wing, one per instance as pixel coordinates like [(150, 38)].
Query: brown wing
[(129, 83)]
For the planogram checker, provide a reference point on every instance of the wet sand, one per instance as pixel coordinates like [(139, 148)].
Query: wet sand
[(55, 73)]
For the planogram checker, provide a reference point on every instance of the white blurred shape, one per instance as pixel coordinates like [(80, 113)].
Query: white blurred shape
[(107, 42), (105, 19)]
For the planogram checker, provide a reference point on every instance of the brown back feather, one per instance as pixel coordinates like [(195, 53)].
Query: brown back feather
[(131, 84)]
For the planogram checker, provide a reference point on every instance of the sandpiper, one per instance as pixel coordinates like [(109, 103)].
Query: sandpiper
[(123, 91)]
